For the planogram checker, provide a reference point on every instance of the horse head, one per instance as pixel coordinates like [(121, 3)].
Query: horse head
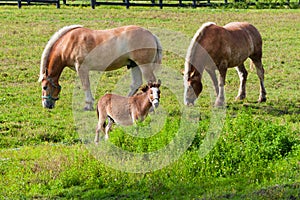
[(153, 92), (50, 91), (192, 86)]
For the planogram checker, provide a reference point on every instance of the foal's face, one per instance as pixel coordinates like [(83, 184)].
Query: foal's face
[(192, 88), (154, 96), (153, 92), (50, 91)]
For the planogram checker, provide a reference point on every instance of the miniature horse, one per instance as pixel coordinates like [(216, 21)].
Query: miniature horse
[(126, 110), (219, 48), (83, 49)]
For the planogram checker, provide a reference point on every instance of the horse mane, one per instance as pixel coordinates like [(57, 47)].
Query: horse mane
[(146, 87), (190, 51), (51, 42), (142, 89)]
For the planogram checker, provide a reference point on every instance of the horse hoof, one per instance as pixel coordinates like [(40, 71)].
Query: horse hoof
[(240, 98), (87, 108), (261, 100), (190, 104), (219, 103)]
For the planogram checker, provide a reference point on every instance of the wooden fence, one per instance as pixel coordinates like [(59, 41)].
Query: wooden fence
[(152, 3)]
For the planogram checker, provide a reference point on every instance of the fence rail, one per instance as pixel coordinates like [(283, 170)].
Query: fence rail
[(153, 3)]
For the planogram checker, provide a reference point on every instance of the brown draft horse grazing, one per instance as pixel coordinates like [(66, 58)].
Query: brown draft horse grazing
[(219, 48), (126, 110), (83, 49)]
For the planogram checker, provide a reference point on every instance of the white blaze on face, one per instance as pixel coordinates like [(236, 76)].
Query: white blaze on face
[(155, 101)]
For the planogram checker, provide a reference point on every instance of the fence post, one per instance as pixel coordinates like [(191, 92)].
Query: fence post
[(58, 4), (19, 4), (93, 2), (127, 3), (180, 3), (194, 4)]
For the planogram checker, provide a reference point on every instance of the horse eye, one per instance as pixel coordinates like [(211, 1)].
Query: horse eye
[(44, 87)]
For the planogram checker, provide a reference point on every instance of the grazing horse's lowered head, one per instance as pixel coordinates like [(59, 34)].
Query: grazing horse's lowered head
[(192, 86), (126, 110), (50, 91)]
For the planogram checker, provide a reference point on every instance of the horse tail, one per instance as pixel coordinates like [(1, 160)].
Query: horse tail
[(97, 112), (51, 42), (158, 56)]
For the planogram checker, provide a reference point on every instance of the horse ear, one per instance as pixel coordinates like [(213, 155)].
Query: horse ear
[(158, 82), (45, 74), (192, 73), (150, 83), (145, 88), (41, 78)]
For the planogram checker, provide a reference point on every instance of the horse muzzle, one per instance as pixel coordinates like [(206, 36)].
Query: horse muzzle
[(48, 102), (155, 103), (189, 102)]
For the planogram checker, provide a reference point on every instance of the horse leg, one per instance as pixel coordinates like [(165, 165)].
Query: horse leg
[(108, 127), (212, 74), (148, 71), (260, 73), (221, 96), (83, 73), (100, 127), (242, 72), (137, 81)]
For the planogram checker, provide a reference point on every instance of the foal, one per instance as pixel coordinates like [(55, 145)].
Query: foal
[(126, 110)]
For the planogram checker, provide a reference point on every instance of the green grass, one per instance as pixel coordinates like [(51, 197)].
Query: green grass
[(47, 154)]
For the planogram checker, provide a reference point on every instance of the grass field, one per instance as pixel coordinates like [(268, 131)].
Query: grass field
[(48, 154)]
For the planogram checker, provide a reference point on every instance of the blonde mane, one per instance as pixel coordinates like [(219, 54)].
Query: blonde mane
[(190, 52), (51, 42)]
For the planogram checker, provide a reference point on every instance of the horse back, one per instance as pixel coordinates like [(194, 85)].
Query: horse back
[(234, 42), (117, 107), (100, 47), (247, 30)]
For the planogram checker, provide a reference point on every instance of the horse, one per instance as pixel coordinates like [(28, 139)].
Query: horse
[(83, 49), (219, 48), (126, 110)]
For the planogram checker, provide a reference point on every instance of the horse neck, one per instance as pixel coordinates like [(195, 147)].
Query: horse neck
[(143, 102), (196, 59), (55, 69)]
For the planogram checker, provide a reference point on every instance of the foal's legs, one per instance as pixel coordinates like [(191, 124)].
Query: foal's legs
[(242, 72), (108, 127), (100, 127), (83, 73), (260, 73), (148, 71), (137, 80)]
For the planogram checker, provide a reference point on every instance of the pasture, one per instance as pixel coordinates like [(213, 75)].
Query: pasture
[(48, 154)]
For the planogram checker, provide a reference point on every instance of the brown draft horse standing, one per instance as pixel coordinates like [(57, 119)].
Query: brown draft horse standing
[(83, 49), (126, 110), (219, 48)]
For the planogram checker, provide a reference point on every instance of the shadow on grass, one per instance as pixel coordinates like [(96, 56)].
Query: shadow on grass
[(274, 108), (186, 191)]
